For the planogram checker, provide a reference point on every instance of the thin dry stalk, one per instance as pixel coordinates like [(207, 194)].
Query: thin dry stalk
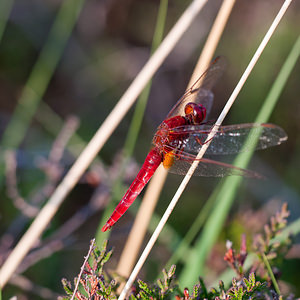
[(140, 225), (62, 238), (42, 253), (12, 187), (97, 142), (52, 166), (25, 284), (212, 40), (58, 148), (203, 149), (82, 268), (52, 170)]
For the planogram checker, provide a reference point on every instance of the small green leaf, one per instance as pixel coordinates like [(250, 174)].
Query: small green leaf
[(106, 257), (171, 271), (196, 291), (203, 287), (67, 286), (143, 295), (160, 284), (144, 287), (240, 293)]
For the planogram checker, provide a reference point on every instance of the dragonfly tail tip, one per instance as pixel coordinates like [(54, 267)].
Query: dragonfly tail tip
[(105, 227)]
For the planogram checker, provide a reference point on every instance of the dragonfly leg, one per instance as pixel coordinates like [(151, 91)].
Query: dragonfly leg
[(202, 142)]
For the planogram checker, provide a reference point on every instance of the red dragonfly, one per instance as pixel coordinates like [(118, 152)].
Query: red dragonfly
[(181, 135)]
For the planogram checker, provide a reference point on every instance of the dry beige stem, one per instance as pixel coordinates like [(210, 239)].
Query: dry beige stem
[(97, 142), (212, 40), (203, 149), (139, 228)]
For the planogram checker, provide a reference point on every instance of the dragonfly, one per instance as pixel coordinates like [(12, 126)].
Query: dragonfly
[(185, 130)]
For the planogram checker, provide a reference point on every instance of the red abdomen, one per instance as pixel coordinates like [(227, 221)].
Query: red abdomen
[(150, 165)]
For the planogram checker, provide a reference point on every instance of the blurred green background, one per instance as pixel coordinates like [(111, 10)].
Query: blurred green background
[(91, 51)]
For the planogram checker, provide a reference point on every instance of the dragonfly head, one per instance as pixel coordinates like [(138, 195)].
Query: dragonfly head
[(195, 113)]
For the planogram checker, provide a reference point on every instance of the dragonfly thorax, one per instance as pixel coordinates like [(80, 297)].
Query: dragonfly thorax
[(164, 135)]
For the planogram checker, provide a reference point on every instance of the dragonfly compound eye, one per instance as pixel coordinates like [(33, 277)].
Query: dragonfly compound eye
[(196, 113)]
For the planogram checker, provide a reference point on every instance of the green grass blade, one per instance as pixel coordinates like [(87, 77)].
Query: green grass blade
[(266, 262), (279, 83), (143, 99), (41, 74), (136, 122), (229, 186), (184, 246), (5, 9)]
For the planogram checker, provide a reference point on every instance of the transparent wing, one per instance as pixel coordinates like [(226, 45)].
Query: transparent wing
[(209, 168), (200, 91), (228, 139)]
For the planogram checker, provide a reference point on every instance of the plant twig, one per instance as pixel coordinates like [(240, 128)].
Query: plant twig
[(63, 236), (203, 149), (97, 142), (69, 128), (82, 268), (52, 166), (19, 202), (27, 285)]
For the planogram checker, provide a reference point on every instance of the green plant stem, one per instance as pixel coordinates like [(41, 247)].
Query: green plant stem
[(137, 119), (228, 187), (184, 246), (136, 122), (41, 74), (5, 9), (266, 262)]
